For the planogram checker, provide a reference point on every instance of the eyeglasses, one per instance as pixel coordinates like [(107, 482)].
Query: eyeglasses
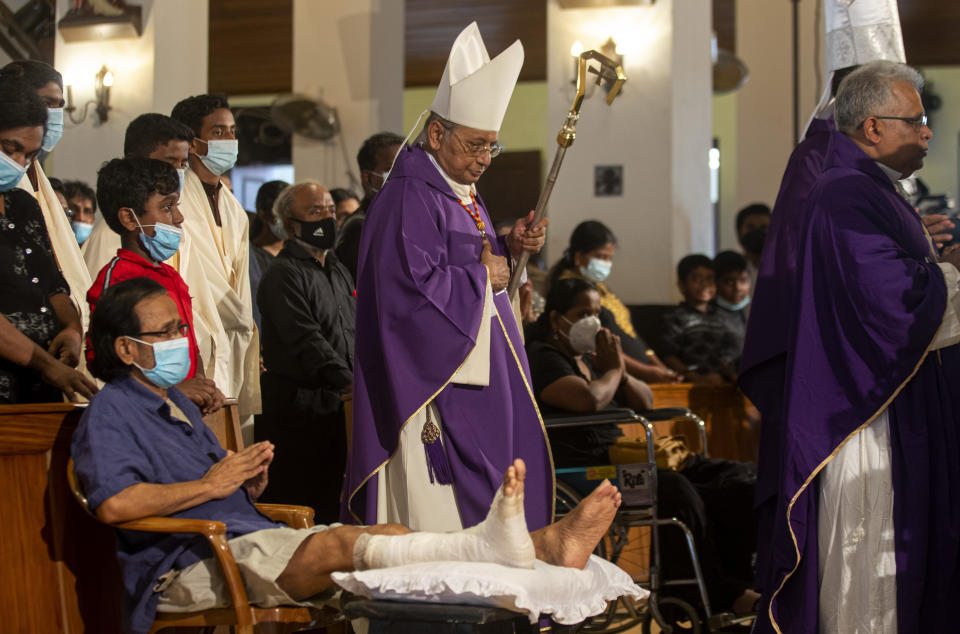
[(478, 149), (917, 122), (170, 333)]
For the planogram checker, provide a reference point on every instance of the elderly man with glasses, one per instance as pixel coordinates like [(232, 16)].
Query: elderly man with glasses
[(865, 537), (442, 400)]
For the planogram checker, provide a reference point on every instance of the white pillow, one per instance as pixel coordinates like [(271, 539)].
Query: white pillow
[(567, 595)]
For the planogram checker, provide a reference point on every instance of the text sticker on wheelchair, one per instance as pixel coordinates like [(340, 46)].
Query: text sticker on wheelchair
[(636, 483)]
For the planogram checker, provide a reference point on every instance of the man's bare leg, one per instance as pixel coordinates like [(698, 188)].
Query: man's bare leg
[(570, 541), (308, 571)]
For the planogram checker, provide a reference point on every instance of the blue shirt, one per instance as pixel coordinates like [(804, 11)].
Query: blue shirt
[(128, 436)]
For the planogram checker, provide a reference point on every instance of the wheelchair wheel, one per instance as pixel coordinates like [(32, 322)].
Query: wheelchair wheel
[(566, 500), (678, 614)]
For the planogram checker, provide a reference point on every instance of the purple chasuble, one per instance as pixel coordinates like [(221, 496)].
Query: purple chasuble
[(763, 362), (420, 295), (856, 299)]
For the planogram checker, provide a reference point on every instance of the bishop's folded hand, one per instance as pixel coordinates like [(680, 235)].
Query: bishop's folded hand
[(497, 267)]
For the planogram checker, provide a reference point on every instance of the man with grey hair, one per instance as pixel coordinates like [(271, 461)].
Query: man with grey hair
[(865, 536), (307, 307)]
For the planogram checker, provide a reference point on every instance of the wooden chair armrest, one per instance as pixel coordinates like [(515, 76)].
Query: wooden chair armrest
[(207, 528), (290, 514), (216, 535)]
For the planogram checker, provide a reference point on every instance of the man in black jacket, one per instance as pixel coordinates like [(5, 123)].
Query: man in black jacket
[(307, 307)]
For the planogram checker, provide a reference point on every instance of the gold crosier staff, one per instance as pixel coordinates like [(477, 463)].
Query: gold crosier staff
[(610, 71)]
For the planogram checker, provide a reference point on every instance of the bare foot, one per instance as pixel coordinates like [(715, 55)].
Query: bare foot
[(513, 479), (570, 541)]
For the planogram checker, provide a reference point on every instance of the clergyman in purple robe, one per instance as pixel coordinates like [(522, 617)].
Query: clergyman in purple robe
[(866, 530), (442, 391)]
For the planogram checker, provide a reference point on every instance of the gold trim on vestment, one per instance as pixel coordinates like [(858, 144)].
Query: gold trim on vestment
[(543, 428), (420, 409), (833, 455)]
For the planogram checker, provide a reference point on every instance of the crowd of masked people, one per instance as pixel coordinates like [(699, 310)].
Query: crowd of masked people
[(266, 308)]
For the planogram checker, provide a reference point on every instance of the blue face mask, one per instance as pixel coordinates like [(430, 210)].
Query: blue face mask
[(54, 129), (221, 155), (10, 172), (171, 361), (597, 270), (163, 243), (81, 230), (722, 303), (182, 173)]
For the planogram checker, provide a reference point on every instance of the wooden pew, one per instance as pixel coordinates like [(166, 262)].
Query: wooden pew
[(732, 423), (58, 572)]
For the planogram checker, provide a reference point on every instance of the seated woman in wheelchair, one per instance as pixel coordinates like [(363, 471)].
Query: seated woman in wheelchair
[(577, 367)]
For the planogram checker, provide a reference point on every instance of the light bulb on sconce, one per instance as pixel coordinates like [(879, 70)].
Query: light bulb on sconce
[(102, 82), (101, 89)]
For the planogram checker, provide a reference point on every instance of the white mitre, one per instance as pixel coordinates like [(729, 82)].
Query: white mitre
[(474, 90), (857, 32)]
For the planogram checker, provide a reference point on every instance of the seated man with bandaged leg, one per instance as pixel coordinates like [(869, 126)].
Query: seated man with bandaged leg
[(142, 449)]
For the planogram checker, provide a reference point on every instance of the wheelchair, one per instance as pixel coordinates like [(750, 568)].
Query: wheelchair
[(638, 485)]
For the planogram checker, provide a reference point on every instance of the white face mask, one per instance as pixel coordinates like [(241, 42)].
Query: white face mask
[(583, 334)]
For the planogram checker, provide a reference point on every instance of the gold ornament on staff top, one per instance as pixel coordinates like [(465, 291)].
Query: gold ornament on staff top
[(608, 70)]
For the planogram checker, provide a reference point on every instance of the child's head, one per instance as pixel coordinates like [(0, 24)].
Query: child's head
[(733, 281), (157, 136), (136, 193), (695, 279)]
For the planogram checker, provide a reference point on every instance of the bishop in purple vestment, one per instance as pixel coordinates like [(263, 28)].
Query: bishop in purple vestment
[(420, 295), (442, 396), (859, 331)]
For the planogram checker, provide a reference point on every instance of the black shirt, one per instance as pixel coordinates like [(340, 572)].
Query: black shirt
[(701, 341), (29, 278), (308, 314), (572, 446), (735, 321)]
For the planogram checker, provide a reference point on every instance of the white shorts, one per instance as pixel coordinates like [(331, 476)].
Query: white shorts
[(261, 556)]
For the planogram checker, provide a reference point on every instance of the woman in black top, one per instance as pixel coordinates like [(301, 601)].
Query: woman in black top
[(567, 379), (34, 298)]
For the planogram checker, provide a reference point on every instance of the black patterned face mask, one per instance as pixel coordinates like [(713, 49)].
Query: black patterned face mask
[(318, 233)]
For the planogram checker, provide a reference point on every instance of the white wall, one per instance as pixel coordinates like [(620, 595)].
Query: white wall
[(350, 53), (151, 73), (765, 102), (940, 169), (658, 129)]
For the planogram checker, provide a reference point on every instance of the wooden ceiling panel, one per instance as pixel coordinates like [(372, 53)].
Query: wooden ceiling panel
[(930, 29), (251, 47), (431, 26)]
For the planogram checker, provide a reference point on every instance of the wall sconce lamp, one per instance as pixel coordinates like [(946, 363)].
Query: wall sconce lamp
[(102, 83), (610, 49)]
